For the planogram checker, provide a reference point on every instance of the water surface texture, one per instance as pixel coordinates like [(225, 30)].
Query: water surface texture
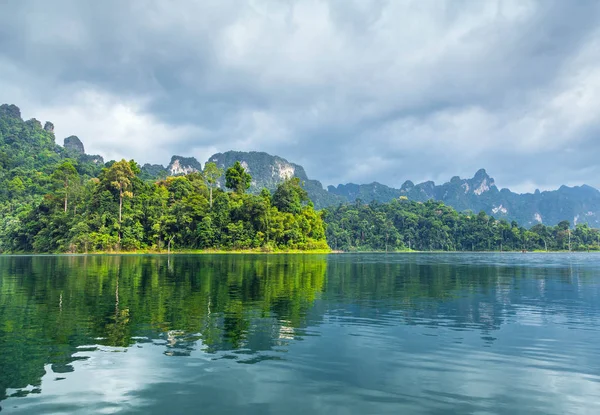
[(298, 334)]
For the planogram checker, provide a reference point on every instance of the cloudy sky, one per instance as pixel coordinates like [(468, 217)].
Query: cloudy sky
[(352, 90)]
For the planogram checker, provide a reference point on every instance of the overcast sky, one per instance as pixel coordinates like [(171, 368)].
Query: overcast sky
[(355, 91)]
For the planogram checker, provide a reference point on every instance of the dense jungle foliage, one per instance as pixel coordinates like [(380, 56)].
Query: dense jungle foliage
[(402, 224), (58, 199)]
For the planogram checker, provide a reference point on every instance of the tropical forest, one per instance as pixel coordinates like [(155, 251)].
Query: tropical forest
[(57, 199)]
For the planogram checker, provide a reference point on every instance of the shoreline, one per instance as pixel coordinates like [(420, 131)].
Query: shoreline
[(293, 252), (190, 252)]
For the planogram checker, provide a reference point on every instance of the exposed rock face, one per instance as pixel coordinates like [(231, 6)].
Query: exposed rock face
[(183, 165), (74, 144), (10, 111), (268, 171), (500, 209), (49, 127)]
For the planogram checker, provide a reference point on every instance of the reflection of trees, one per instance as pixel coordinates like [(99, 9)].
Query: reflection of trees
[(51, 305), (243, 304), (434, 293)]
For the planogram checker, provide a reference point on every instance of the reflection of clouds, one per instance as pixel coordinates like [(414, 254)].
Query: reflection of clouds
[(102, 383), (382, 353), (286, 332), (348, 368), (396, 363)]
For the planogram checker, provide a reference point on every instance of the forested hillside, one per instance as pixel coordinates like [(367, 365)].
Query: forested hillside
[(403, 224), (118, 211), (578, 204), (29, 158), (59, 199)]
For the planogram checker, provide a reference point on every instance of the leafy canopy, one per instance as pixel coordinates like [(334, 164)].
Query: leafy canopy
[(237, 179)]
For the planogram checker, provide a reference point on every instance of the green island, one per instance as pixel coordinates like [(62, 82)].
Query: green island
[(57, 199)]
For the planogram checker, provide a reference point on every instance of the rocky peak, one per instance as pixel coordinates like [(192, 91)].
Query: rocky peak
[(481, 182), (427, 186), (481, 175), (34, 123), (407, 185), (74, 144), (10, 111), (49, 127), (266, 170), (183, 165)]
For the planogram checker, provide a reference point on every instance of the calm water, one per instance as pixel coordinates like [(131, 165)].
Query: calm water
[(293, 334)]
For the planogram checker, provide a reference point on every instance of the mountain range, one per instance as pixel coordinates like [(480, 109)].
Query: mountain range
[(28, 148), (579, 204)]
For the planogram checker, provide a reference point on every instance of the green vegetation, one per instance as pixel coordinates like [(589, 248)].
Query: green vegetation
[(56, 199), (402, 224), (119, 300), (120, 212)]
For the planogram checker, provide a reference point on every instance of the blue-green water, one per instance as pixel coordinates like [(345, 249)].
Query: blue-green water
[(294, 334)]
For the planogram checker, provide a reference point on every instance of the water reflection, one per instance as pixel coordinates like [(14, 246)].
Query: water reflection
[(370, 333)]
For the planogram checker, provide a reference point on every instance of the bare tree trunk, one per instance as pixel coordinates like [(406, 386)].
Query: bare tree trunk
[(169, 245), (120, 216), (210, 193), (66, 193)]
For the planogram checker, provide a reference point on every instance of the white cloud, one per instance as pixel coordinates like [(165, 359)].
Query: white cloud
[(403, 90), (115, 128)]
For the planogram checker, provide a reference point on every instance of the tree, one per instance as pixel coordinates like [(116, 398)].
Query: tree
[(237, 179), (65, 176), (290, 196), (119, 176), (15, 187), (212, 174)]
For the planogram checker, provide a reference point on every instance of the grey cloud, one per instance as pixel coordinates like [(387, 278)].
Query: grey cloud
[(360, 90)]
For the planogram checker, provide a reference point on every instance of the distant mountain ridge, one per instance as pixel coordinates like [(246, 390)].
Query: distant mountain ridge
[(579, 204), (29, 146)]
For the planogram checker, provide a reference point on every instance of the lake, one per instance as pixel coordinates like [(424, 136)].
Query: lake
[(300, 334)]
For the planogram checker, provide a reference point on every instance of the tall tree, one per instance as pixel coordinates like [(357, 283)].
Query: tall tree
[(212, 174), (237, 179), (119, 176), (66, 176)]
